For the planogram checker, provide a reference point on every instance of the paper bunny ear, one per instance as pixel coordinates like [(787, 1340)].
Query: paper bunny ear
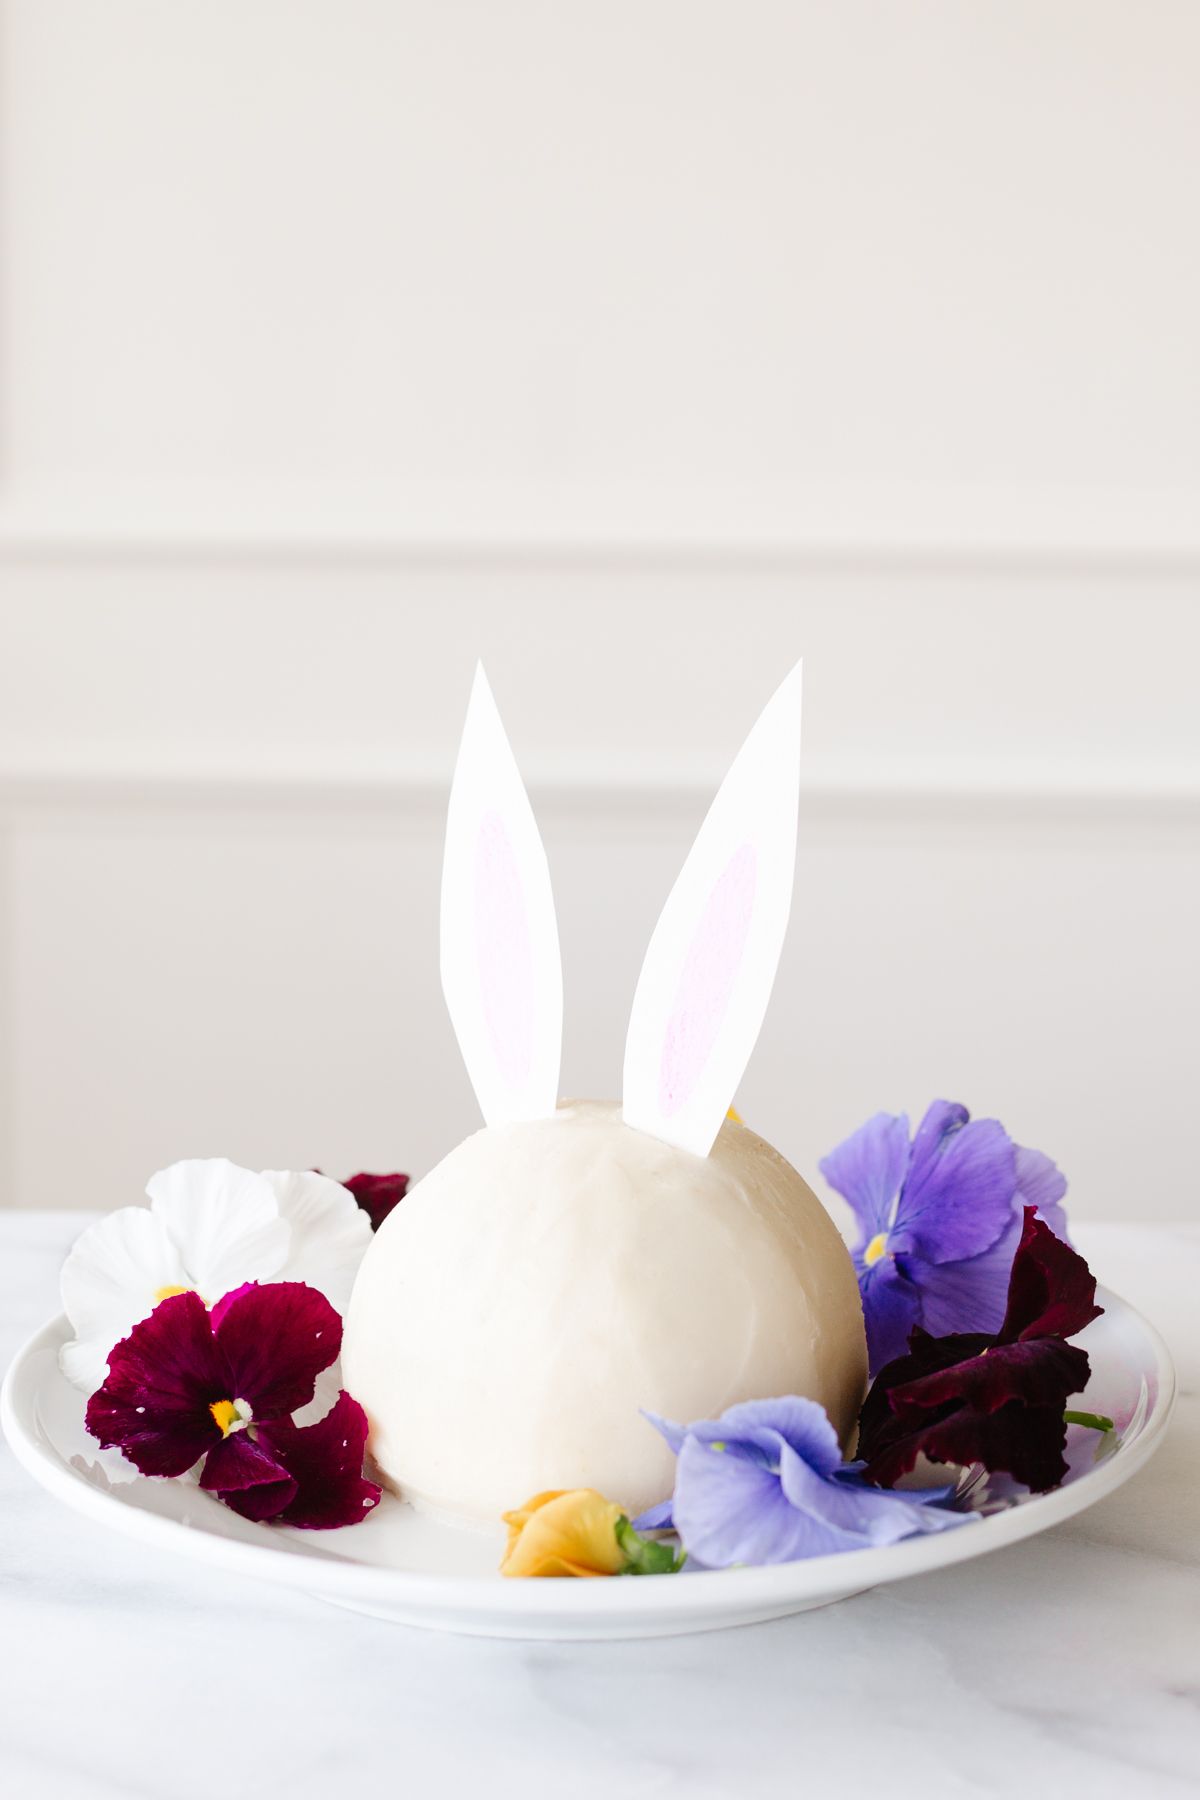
[(501, 971), (708, 973)]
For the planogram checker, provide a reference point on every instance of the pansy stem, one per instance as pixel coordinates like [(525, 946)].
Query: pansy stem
[(1093, 1421), (646, 1556)]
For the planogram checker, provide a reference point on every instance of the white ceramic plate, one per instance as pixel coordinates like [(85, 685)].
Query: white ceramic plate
[(400, 1566)]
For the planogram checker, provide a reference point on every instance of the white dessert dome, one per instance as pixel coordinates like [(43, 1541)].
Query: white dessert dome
[(550, 1278), (568, 1266)]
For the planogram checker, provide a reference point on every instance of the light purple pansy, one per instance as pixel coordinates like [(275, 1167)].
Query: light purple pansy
[(765, 1483), (939, 1220)]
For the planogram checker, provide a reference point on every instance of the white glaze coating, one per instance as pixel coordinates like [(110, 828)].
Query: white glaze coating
[(547, 1279)]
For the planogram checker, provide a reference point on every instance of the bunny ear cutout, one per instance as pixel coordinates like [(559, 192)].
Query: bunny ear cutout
[(501, 971), (708, 973)]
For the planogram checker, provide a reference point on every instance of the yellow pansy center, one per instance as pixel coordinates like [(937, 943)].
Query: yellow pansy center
[(230, 1415), (168, 1293), (875, 1249)]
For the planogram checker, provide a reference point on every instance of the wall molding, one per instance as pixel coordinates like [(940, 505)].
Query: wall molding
[(947, 527), (656, 792)]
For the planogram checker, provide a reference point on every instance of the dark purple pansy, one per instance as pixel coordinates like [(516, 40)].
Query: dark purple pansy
[(939, 1220), (304, 1475), (995, 1398), (377, 1194), (325, 1461), (187, 1383)]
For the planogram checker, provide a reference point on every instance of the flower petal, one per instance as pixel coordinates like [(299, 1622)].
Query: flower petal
[(162, 1379), (655, 1518), (973, 1295), (973, 1397), (867, 1170), (957, 1200), (328, 1387), (564, 1532), (219, 1308), (757, 1427), (223, 1221), (330, 1232), (800, 1423), (247, 1477), (970, 1295), (858, 1514), (326, 1462), (1044, 1372), (942, 1118), (878, 1428), (378, 1195), (276, 1340), (110, 1280), (728, 1510), (1026, 1442), (1041, 1184), (1052, 1291), (673, 1433), (891, 1307)]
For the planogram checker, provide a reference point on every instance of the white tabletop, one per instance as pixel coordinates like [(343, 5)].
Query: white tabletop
[(1066, 1666)]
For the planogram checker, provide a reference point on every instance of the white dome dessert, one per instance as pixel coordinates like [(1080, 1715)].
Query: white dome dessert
[(571, 1265), (551, 1277)]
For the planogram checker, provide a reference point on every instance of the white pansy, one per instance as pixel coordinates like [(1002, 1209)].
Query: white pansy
[(210, 1226), (113, 1277), (223, 1220), (329, 1231)]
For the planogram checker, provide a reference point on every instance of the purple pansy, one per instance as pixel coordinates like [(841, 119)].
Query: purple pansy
[(940, 1220), (995, 1398), (324, 1464), (765, 1483), (187, 1384), (378, 1195)]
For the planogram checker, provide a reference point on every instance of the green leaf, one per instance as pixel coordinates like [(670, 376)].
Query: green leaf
[(646, 1556)]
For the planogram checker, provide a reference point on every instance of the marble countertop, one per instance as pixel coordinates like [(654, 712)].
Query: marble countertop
[(1066, 1666)]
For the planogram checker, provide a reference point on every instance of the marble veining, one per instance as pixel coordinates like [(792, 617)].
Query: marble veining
[(1065, 1666)]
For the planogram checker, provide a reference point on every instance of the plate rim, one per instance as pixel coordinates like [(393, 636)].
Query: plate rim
[(740, 1590)]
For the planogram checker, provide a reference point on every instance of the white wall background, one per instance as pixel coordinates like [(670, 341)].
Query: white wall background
[(638, 348)]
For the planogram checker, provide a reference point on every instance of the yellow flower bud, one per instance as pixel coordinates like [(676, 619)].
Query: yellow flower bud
[(571, 1532)]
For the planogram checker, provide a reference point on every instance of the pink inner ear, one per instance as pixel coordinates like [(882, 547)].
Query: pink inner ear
[(505, 952), (707, 981)]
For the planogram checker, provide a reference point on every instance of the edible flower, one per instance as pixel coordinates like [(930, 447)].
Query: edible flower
[(765, 1483), (578, 1532), (378, 1195), (210, 1228), (939, 1220), (992, 1398), (188, 1384)]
